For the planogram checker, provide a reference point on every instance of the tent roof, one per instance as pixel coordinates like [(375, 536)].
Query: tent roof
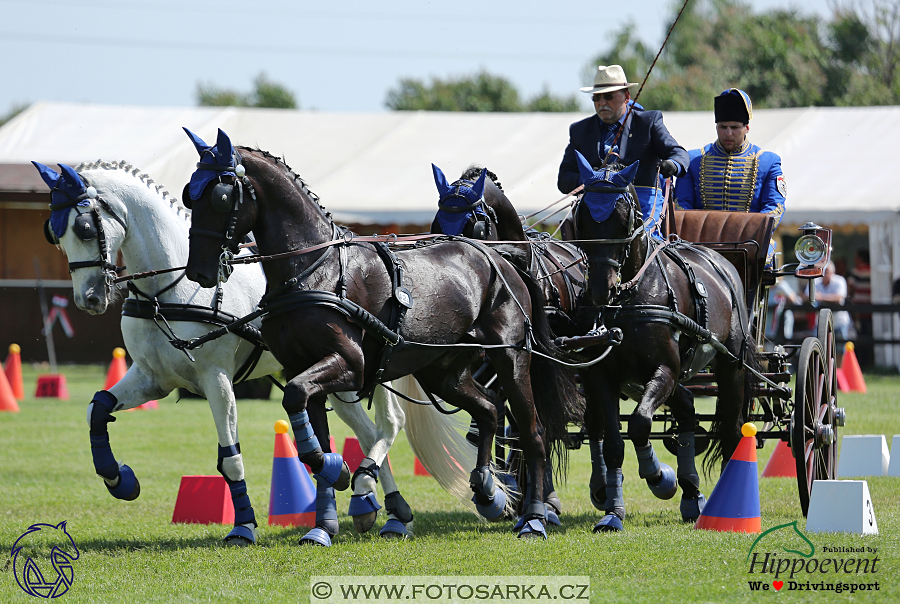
[(376, 165)]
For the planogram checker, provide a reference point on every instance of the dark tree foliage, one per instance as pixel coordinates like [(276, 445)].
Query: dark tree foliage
[(266, 93)]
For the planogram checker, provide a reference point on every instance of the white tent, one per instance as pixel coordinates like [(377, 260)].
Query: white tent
[(376, 166)]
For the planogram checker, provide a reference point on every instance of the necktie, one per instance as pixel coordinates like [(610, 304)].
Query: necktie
[(609, 137)]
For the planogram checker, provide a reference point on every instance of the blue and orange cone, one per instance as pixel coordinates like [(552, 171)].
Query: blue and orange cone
[(733, 505), (293, 497)]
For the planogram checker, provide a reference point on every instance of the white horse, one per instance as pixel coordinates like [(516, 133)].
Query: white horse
[(115, 208)]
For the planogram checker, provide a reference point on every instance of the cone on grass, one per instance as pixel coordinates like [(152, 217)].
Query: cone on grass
[(7, 400), (419, 469), (292, 501), (733, 505), (353, 453), (116, 370), (843, 384), (781, 464), (852, 372), (13, 371)]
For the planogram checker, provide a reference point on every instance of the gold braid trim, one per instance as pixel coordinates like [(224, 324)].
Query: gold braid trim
[(728, 180)]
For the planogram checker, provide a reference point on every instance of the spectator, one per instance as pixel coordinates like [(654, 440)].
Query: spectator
[(833, 288), (859, 285)]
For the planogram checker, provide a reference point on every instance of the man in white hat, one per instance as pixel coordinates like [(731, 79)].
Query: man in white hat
[(732, 173), (616, 134)]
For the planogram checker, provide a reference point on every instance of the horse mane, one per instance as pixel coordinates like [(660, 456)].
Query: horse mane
[(145, 178), (474, 171), (294, 177)]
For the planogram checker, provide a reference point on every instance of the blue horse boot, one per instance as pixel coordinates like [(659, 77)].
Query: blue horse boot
[(326, 516), (231, 467), (692, 500), (489, 500), (533, 520), (364, 503), (329, 466), (399, 517), (660, 477), (597, 483), (613, 521), (119, 479)]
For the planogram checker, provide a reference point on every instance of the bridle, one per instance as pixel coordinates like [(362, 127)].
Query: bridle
[(224, 198), (482, 228), (88, 226)]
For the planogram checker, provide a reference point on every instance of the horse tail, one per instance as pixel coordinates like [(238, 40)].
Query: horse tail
[(437, 441), (556, 396)]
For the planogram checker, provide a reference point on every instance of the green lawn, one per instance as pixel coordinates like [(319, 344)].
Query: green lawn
[(131, 552)]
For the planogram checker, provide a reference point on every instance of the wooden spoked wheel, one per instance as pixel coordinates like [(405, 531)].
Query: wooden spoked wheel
[(825, 333), (812, 422)]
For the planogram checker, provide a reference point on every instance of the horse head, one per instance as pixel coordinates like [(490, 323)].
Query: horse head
[(222, 211), (81, 225), (460, 204), (608, 225)]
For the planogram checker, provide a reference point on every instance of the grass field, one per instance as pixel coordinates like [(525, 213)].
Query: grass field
[(131, 552)]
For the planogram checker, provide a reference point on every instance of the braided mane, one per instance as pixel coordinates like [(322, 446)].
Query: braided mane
[(473, 172), (126, 167), (296, 178)]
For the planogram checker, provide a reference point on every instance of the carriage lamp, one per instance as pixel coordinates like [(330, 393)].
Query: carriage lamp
[(809, 249)]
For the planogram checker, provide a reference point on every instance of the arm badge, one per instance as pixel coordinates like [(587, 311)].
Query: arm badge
[(782, 186)]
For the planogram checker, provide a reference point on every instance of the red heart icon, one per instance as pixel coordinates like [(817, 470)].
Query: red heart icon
[(777, 585)]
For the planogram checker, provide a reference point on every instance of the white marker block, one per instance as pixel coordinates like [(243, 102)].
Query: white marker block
[(894, 465), (863, 455), (841, 506)]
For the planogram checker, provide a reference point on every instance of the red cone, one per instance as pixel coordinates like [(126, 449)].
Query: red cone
[(13, 370), (7, 400), (781, 464)]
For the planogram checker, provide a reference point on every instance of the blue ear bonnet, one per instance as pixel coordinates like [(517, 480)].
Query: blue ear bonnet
[(603, 188), (462, 194), (221, 154), (66, 190)]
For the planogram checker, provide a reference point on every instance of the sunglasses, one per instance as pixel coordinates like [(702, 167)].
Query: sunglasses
[(606, 96)]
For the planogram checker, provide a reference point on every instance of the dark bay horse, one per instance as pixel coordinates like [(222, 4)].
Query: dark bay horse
[(476, 206), (680, 308), (344, 314)]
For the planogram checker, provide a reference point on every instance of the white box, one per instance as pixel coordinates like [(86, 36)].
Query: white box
[(841, 506), (863, 455)]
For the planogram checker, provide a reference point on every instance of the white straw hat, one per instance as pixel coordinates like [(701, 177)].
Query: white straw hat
[(609, 78)]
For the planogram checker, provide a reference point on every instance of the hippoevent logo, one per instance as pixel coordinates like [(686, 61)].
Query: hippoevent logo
[(42, 560), (791, 562)]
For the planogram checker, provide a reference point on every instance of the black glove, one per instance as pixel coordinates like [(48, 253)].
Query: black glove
[(669, 168)]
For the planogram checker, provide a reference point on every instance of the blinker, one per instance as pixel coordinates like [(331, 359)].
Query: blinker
[(84, 227), (49, 234), (221, 197)]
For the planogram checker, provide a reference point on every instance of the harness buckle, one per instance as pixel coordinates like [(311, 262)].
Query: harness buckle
[(225, 267)]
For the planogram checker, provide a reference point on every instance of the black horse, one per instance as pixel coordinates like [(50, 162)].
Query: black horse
[(476, 206), (344, 314), (680, 308)]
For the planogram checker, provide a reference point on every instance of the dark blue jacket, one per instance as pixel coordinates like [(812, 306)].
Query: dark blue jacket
[(645, 138)]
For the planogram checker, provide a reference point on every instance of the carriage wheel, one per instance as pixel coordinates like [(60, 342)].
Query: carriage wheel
[(825, 333), (812, 422)]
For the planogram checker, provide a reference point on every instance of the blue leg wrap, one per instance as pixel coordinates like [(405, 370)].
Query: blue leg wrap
[(100, 414), (334, 471), (532, 522), (243, 511), (326, 516), (399, 515), (329, 466), (393, 528), (609, 524), (597, 484), (489, 501), (128, 488), (660, 477), (614, 496), (691, 508)]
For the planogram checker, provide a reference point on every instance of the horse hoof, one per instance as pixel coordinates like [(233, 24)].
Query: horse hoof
[(316, 536), (240, 536), (691, 508), (492, 510), (394, 529), (667, 485), (363, 522), (129, 488), (533, 528), (364, 511), (609, 524)]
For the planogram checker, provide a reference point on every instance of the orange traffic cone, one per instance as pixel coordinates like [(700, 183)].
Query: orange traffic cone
[(203, 500), (852, 371), (419, 469), (781, 464), (292, 499), (13, 370), (117, 368), (353, 453), (734, 503), (842, 383), (7, 400)]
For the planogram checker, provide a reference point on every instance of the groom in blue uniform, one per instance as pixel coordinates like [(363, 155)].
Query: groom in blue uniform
[(632, 134), (731, 173)]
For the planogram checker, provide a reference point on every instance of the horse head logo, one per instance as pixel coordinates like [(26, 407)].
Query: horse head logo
[(786, 533), (42, 543), (603, 187)]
